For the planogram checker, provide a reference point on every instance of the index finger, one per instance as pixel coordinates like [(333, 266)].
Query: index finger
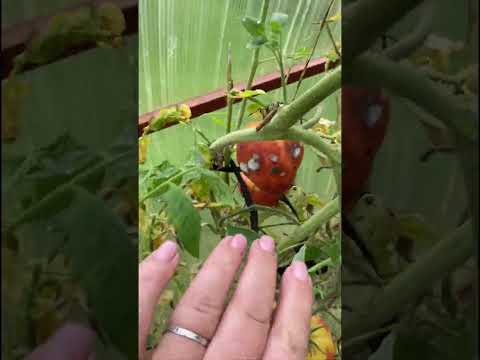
[(153, 276)]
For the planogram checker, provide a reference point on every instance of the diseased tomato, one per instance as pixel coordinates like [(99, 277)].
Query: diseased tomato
[(271, 165), (258, 196), (365, 117)]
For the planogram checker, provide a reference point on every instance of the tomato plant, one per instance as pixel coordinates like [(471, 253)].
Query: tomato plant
[(265, 144)]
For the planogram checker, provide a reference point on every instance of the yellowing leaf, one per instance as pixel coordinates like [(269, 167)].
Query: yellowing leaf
[(169, 116), (236, 94), (335, 17), (323, 126), (322, 346), (142, 149), (111, 18), (13, 95)]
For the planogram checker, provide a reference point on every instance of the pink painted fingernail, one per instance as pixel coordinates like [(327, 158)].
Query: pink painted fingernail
[(300, 270), (267, 243), (166, 251), (238, 242)]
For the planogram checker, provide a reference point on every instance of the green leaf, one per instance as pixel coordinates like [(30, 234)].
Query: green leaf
[(249, 234), (154, 177), (278, 22), (257, 42), (184, 218), (257, 30), (104, 260), (300, 255), (253, 26)]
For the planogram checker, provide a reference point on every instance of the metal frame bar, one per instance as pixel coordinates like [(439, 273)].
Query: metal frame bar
[(217, 99), (15, 37)]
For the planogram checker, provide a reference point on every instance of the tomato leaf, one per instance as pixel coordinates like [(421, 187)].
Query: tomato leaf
[(249, 234), (257, 30), (235, 94), (184, 218), (104, 260), (300, 255), (278, 22)]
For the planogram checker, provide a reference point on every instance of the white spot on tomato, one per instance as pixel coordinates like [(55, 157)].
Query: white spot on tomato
[(373, 115), (296, 151), (283, 173), (253, 164), (243, 167), (273, 157)]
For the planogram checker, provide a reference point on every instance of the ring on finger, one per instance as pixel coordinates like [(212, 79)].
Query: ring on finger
[(189, 334)]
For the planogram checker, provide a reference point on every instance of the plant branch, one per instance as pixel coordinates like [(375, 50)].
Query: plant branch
[(282, 75), (317, 38), (411, 83), (406, 46), (365, 20), (229, 88), (254, 66), (291, 113), (229, 106), (444, 257), (312, 225)]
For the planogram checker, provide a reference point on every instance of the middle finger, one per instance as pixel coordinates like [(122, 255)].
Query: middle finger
[(243, 331)]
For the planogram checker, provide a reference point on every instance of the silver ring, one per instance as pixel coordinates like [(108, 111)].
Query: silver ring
[(177, 330)]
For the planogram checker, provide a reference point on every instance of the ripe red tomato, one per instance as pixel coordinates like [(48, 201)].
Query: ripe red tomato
[(258, 196), (365, 117), (271, 165)]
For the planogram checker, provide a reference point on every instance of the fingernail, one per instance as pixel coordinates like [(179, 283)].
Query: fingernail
[(267, 243), (300, 270), (238, 242), (166, 251)]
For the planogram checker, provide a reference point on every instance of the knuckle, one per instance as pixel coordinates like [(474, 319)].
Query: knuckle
[(258, 317), (207, 305), (287, 345)]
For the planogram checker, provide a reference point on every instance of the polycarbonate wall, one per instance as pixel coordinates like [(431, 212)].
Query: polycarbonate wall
[(184, 55)]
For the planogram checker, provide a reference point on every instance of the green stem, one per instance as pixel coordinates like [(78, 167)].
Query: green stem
[(444, 257), (310, 226), (406, 46), (262, 208), (312, 122), (317, 38), (407, 81), (229, 107), (291, 113), (253, 68), (165, 184), (364, 21), (229, 88), (278, 57), (320, 265)]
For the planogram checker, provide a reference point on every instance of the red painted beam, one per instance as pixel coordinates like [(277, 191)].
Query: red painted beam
[(15, 37), (217, 99)]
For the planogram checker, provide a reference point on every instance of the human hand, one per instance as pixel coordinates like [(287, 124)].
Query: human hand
[(246, 328), (71, 341)]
